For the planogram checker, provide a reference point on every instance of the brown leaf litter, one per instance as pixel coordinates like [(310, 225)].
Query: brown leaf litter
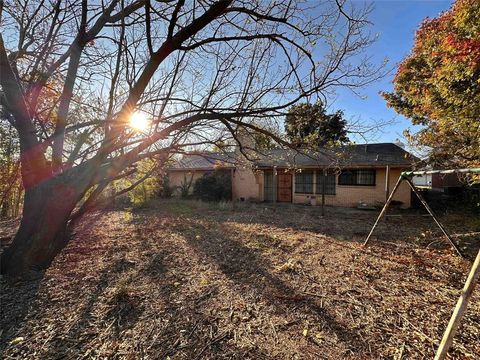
[(185, 280)]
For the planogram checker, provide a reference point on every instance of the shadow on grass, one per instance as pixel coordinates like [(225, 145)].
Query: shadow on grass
[(344, 224)]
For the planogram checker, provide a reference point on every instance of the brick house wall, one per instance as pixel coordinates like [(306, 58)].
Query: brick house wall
[(249, 185), (351, 195), (177, 178), (245, 181), (246, 184)]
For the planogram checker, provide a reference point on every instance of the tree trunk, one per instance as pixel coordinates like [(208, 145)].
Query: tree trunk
[(43, 230)]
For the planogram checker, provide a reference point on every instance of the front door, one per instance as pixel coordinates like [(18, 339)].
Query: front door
[(284, 187)]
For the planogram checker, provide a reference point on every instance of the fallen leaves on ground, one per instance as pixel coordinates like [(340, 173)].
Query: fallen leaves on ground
[(255, 282)]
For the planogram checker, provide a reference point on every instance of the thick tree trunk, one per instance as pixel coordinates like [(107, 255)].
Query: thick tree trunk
[(43, 230)]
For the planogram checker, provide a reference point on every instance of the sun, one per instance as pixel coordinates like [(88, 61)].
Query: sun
[(139, 121)]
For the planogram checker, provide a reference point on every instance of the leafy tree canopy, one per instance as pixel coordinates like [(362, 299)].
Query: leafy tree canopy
[(438, 86), (309, 124)]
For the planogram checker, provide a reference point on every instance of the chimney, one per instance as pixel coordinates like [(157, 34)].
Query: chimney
[(246, 140)]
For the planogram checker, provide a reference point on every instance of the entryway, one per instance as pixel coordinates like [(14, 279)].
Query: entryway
[(284, 187), (282, 184)]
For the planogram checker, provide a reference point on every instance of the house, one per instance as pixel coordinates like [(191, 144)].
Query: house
[(438, 182), (348, 175), (443, 190)]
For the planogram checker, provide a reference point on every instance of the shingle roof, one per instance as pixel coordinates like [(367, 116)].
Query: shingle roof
[(204, 161), (350, 155)]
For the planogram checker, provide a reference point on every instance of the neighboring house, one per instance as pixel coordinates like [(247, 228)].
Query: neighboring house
[(437, 182), (353, 175)]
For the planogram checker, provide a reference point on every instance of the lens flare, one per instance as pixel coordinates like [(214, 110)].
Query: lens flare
[(139, 121)]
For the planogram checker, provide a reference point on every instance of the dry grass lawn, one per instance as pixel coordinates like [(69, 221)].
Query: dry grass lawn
[(186, 280)]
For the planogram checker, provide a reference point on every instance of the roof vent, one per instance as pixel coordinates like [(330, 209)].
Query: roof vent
[(399, 143)]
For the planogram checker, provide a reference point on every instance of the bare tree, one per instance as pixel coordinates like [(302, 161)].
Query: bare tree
[(73, 73)]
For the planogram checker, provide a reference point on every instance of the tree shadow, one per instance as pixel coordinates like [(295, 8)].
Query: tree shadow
[(348, 227), (185, 328), (18, 298), (251, 271), (124, 312), (16, 301), (348, 223)]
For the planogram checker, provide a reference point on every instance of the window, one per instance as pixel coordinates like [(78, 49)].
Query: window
[(357, 177), (365, 177), (304, 182), (329, 183), (346, 178), (268, 186)]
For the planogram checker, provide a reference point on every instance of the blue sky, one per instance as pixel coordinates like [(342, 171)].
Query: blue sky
[(396, 23)]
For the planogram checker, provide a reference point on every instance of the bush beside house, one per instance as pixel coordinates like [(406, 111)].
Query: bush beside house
[(215, 186)]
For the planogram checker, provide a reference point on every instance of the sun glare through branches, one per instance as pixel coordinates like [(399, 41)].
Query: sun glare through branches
[(139, 121)]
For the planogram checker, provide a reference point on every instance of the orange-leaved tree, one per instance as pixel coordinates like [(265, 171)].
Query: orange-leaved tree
[(438, 86)]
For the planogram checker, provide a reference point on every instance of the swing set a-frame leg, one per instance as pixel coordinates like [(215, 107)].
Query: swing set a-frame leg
[(389, 200), (424, 203), (430, 211)]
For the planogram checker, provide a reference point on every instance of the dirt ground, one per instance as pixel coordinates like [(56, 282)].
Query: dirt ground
[(188, 280)]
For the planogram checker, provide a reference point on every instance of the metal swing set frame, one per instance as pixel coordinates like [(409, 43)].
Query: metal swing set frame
[(474, 273)]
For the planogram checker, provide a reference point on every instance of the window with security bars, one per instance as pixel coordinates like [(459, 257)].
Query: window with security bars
[(268, 186), (304, 182), (361, 177), (329, 183)]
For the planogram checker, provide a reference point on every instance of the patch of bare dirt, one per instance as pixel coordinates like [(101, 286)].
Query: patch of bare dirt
[(185, 280)]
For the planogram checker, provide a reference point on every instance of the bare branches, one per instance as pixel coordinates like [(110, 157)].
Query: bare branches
[(59, 134), (173, 20), (14, 99), (125, 12), (199, 71)]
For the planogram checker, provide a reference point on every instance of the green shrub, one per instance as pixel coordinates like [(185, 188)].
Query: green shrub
[(216, 186), (147, 189)]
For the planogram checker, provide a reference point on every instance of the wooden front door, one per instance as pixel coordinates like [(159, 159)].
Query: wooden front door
[(284, 187)]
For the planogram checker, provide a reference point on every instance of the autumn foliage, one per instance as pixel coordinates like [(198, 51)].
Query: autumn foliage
[(438, 86)]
